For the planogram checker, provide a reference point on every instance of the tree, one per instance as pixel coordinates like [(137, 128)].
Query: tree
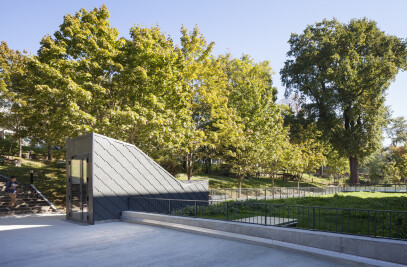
[(257, 123), (152, 108), (397, 131), (308, 149), (82, 53), (207, 100), (338, 165), (397, 159), (12, 65), (341, 72)]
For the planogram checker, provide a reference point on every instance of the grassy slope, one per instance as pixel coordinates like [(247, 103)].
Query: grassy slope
[(49, 179), (216, 181)]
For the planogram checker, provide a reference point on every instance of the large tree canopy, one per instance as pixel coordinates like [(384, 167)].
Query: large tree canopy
[(341, 73)]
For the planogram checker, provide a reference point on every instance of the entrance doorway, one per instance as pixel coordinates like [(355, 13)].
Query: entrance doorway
[(79, 197)]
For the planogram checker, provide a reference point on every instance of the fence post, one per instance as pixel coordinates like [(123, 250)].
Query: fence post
[(196, 213), (265, 214), (31, 177), (227, 211), (375, 223), (265, 194), (313, 218), (169, 206), (247, 194)]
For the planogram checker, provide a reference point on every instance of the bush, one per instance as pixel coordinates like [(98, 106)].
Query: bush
[(171, 165), (36, 152), (59, 154), (8, 147)]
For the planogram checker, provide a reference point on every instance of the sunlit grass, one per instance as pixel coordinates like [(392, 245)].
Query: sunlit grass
[(352, 200), (218, 181)]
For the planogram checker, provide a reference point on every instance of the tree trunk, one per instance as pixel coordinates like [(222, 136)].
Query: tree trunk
[(239, 185), (208, 165), (272, 184), (354, 170), (189, 165), (272, 180), (49, 153), (298, 182), (20, 148)]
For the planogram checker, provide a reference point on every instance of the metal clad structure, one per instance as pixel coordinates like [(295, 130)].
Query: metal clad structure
[(111, 172)]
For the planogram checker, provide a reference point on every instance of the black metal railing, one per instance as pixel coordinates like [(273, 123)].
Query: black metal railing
[(373, 223), (271, 193), (391, 188), (292, 192)]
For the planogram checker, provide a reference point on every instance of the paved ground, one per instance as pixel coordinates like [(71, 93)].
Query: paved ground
[(51, 241)]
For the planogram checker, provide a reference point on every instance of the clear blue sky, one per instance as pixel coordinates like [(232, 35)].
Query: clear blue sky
[(258, 28)]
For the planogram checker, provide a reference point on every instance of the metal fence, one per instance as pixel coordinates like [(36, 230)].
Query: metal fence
[(271, 193), (289, 192), (373, 223), (391, 188)]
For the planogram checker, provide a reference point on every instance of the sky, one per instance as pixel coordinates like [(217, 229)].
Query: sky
[(258, 28)]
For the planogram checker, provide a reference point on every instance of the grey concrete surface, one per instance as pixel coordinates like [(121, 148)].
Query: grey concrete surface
[(52, 241), (372, 248)]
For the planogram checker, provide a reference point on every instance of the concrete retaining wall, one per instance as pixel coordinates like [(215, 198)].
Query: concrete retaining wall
[(374, 248)]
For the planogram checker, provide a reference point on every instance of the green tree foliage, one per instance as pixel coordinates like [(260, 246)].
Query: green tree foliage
[(181, 103), (397, 131), (153, 109), (341, 72), (397, 158), (338, 164), (12, 67), (253, 140), (80, 62), (207, 102)]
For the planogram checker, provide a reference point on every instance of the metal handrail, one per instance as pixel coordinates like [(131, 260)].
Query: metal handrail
[(365, 222)]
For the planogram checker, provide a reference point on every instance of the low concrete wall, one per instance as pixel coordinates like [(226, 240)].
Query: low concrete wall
[(374, 248)]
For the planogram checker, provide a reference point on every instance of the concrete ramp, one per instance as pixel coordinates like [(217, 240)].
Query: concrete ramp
[(275, 221)]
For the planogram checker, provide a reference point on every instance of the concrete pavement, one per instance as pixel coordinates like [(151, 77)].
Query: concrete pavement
[(45, 240)]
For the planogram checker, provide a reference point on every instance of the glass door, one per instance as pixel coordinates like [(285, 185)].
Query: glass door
[(78, 206)]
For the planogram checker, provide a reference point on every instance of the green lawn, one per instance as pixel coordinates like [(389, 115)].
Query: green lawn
[(352, 200), (49, 179), (217, 181)]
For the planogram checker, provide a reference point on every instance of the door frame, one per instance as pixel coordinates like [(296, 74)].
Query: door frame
[(88, 218)]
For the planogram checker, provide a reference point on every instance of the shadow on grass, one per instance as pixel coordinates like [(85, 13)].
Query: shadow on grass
[(217, 181)]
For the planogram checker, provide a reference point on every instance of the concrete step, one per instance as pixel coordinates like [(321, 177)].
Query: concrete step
[(20, 193), (24, 211), (28, 204), (6, 200), (28, 200), (18, 187), (33, 208), (27, 208)]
